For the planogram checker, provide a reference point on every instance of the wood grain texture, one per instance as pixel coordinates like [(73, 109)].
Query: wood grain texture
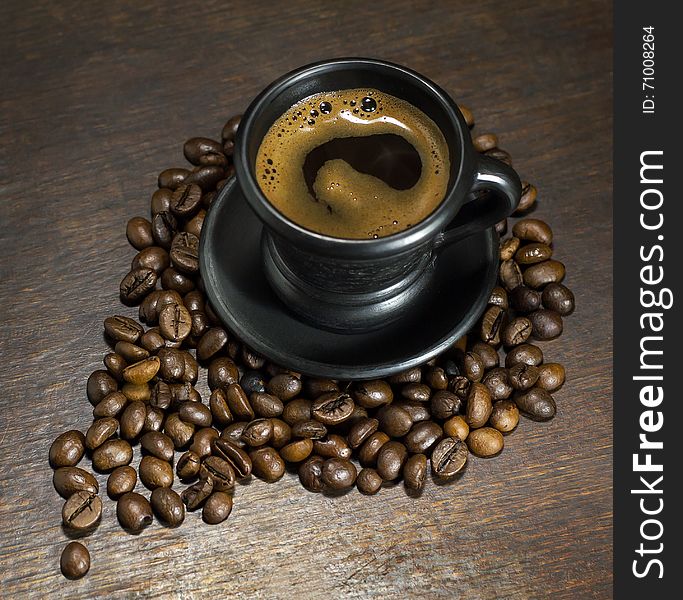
[(98, 98)]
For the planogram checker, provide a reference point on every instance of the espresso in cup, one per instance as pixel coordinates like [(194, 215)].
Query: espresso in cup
[(354, 163)]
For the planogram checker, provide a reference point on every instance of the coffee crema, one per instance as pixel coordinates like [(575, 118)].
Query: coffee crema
[(356, 163)]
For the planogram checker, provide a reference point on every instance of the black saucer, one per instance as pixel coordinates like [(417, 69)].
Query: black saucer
[(230, 255)]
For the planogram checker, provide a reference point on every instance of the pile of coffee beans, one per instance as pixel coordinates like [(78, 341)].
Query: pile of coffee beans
[(262, 419)]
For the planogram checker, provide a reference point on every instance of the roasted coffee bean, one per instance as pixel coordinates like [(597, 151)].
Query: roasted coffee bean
[(368, 481), (251, 359), (185, 253), (422, 437), (100, 383), (252, 381), (394, 421), (100, 431), (528, 198), (130, 352), (478, 406), (361, 430), (498, 383), (121, 481), (158, 444), (516, 332), (338, 474), (558, 298), (536, 404), (530, 254), (179, 431), (154, 257), (473, 366), (551, 376), (202, 442), (267, 464), (69, 480), (418, 411), (174, 280), (488, 354), (390, 460), (206, 177), (148, 311), (234, 394), (467, 115), (136, 392), (333, 446), (164, 227), (415, 472), (510, 275), (136, 285), (120, 328), (196, 413), (142, 371), (505, 416), (500, 154), (508, 247), (160, 396), (217, 508), (194, 496), (317, 387), (230, 128), (115, 364), (492, 323), (134, 512), (436, 378), (212, 342), (133, 419), (533, 230), (297, 451), (171, 364), (258, 432), (184, 392), (196, 147), (167, 506), (194, 300), (456, 427), (67, 449), (219, 471), (266, 405), (545, 324), (175, 322), (172, 178), (111, 405), (445, 404), (233, 433), (235, 456), (367, 455), (412, 375), (139, 233), (161, 201), (523, 299), (529, 354), (75, 560), (312, 430), (499, 297), (223, 373), (188, 465), (417, 392), (154, 419), (111, 454), (523, 376), (310, 474), (485, 442), (282, 434), (155, 472), (284, 386), (186, 200), (485, 141), (541, 274), (371, 394), (332, 408), (220, 411), (460, 386)]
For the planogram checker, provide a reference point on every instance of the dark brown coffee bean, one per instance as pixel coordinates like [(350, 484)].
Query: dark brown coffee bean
[(297, 451), (485, 141), (69, 480), (338, 474), (120, 328), (530, 254), (436, 378), (473, 366), (100, 431), (179, 431), (172, 178), (134, 512), (508, 247), (541, 274), (171, 365), (505, 416), (551, 376), (418, 411), (251, 359), (233, 433), (310, 474), (121, 481), (510, 275), (154, 419), (333, 446), (417, 392), (394, 421), (456, 427), (219, 471), (516, 332), (75, 560), (368, 481), (252, 381), (217, 508), (82, 510), (367, 455), (501, 228), (282, 434), (415, 472), (130, 352), (167, 506), (112, 454), (523, 376), (110, 406), (317, 387), (161, 396), (533, 230), (133, 420), (312, 430), (485, 442), (422, 437), (267, 464), (234, 394), (479, 406), (206, 177), (545, 324), (258, 432), (499, 297), (136, 285), (153, 257), (266, 405), (115, 364), (152, 341), (174, 280), (498, 383), (139, 233), (390, 460), (460, 386), (536, 404), (284, 386), (188, 465), (220, 411), (467, 115), (361, 430), (196, 147), (445, 404), (525, 300), (202, 441), (194, 496), (175, 322), (528, 199), (186, 200), (67, 449), (212, 342), (196, 413), (371, 394), (412, 375), (230, 128), (488, 354), (158, 444), (529, 354), (235, 456), (161, 201), (558, 298), (223, 373), (332, 408), (100, 383), (492, 323), (184, 392), (155, 472), (185, 253)]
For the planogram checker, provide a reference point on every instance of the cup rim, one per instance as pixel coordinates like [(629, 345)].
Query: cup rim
[(284, 227)]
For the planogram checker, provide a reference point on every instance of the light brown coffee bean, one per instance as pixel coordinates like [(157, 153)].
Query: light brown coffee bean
[(508, 247), (485, 442), (533, 230), (297, 451), (100, 431), (544, 273), (479, 406), (456, 427), (267, 464), (143, 371), (449, 457), (505, 416), (551, 376), (510, 275)]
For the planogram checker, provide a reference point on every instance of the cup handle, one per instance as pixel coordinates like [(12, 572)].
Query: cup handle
[(475, 216)]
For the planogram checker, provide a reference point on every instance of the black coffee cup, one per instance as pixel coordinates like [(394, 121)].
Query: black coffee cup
[(353, 285)]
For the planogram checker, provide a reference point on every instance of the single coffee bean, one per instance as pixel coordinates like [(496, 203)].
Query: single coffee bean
[(467, 115), (492, 323), (100, 383), (121, 481), (333, 446), (131, 353), (456, 427), (142, 371), (69, 480), (505, 416), (332, 408), (235, 456), (168, 506), (174, 280), (172, 178), (558, 298), (551, 376), (160, 396), (297, 451), (545, 324), (133, 419), (484, 142), (233, 433), (134, 512), (542, 274), (161, 201), (312, 430), (394, 421), (111, 405), (220, 411), (533, 253), (338, 474), (533, 230), (422, 437), (67, 449), (367, 455), (390, 460), (136, 285), (473, 366), (188, 465), (154, 419), (485, 442), (412, 375), (460, 386), (185, 253), (282, 434), (171, 364), (368, 481), (523, 299), (516, 332), (194, 300), (436, 378), (202, 441), (184, 392), (100, 431), (361, 430), (158, 444), (194, 496), (528, 354), (510, 275), (212, 342), (266, 405), (415, 472), (111, 454), (223, 373), (317, 387), (528, 198), (206, 177), (508, 247), (115, 364), (267, 464), (196, 147), (120, 328), (372, 394), (217, 508), (284, 386), (75, 560), (219, 471), (479, 406), (251, 359), (139, 233), (154, 257), (164, 227), (488, 354), (179, 431), (237, 399), (445, 404), (175, 322), (417, 392), (536, 404), (230, 128), (499, 297), (258, 432), (196, 413), (186, 200), (418, 411), (310, 474), (83, 510), (523, 376), (152, 341)]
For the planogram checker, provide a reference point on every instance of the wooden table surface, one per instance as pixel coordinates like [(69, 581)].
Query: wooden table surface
[(99, 97)]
